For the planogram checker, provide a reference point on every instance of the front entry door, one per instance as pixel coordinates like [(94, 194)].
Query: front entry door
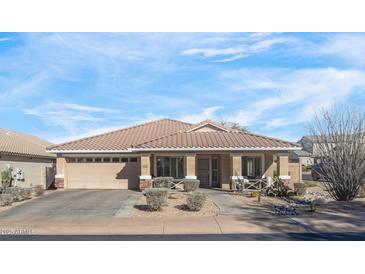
[(203, 171)]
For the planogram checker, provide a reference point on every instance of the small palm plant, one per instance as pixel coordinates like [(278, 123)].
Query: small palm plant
[(6, 177)]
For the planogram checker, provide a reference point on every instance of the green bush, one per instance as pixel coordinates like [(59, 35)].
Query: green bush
[(195, 201), (310, 183), (191, 185), (300, 189), (156, 197), (162, 182), (6, 177), (279, 188)]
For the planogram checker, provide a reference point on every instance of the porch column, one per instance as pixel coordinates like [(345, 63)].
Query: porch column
[(283, 166), (61, 172), (236, 171), (190, 166), (269, 165), (145, 180)]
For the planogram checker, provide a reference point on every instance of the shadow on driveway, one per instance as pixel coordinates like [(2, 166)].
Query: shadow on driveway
[(202, 237)]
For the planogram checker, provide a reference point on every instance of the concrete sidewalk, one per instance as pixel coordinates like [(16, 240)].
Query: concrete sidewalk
[(167, 226), (148, 225)]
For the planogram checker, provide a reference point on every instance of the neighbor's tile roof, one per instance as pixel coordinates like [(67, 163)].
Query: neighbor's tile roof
[(167, 133), (218, 139), (16, 143), (125, 138)]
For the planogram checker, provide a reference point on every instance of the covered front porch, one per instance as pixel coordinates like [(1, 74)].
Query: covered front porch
[(214, 169)]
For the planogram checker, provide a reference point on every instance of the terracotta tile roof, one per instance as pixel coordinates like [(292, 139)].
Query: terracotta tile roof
[(125, 138), (167, 133), (16, 143), (218, 139)]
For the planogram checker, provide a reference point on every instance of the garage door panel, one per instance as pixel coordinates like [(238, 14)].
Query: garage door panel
[(102, 175)]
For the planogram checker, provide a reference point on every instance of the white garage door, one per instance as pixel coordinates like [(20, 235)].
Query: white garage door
[(103, 175)]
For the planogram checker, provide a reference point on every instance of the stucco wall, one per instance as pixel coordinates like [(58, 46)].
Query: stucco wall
[(34, 169), (225, 163), (295, 173)]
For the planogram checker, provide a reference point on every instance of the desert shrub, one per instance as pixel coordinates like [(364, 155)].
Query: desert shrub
[(310, 183), (38, 190), (26, 193), (162, 182), (6, 177), (15, 192), (300, 189), (195, 201), (156, 197), (278, 188), (340, 133), (6, 199), (191, 185)]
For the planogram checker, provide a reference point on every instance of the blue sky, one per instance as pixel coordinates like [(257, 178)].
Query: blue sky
[(62, 86)]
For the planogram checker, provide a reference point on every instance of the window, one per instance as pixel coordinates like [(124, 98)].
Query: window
[(170, 167), (71, 160), (133, 160), (89, 160), (251, 167), (124, 160), (106, 160), (97, 160), (115, 160)]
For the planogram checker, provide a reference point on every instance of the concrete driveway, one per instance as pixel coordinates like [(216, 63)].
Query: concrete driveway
[(76, 204)]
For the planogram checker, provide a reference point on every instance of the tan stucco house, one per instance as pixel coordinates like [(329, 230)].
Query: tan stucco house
[(129, 158), (27, 157)]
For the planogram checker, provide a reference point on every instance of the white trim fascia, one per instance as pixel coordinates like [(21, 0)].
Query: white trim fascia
[(285, 177), (216, 149), (145, 177), (91, 151), (190, 177)]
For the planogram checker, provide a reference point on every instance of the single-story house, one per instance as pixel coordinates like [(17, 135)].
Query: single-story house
[(301, 156), (27, 157), (129, 158), (311, 145)]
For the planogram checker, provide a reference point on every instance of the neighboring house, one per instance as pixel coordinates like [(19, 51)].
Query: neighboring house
[(129, 158), (310, 144), (301, 156), (26, 155)]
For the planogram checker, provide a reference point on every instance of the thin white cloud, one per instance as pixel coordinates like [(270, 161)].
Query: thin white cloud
[(245, 117), (350, 47), (297, 93), (84, 132), (206, 113), (5, 39), (25, 87), (71, 117), (277, 123), (253, 44)]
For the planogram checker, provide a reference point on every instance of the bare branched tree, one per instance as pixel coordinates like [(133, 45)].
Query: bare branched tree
[(339, 134), (233, 125)]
